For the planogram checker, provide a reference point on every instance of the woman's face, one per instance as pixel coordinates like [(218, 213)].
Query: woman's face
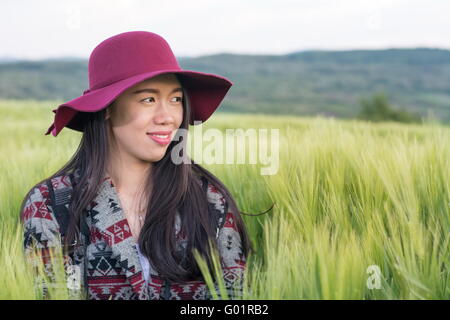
[(152, 105)]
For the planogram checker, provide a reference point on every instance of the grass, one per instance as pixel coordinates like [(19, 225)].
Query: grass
[(349, 196)]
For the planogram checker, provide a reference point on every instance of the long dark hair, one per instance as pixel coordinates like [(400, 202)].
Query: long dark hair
[(177, 190)]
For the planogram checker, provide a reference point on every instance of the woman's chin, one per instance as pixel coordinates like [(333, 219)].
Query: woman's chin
[(154, 158)]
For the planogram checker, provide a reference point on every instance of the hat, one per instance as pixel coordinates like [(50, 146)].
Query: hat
[(126, 59)]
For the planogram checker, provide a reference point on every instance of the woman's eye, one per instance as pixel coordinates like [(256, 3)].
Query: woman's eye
[(148, 98), (180, 99)]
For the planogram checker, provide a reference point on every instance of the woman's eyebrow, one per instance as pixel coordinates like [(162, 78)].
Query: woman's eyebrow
[(152, 90)]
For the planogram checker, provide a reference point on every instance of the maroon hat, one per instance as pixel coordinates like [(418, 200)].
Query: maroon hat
[(128, 58)]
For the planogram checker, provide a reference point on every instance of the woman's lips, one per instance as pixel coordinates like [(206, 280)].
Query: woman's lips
[(162, 138)]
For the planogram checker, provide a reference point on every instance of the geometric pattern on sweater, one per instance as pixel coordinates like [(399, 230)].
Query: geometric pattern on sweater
[(112, 262)]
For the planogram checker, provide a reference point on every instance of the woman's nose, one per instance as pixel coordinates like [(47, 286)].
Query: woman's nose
[(163, 113)]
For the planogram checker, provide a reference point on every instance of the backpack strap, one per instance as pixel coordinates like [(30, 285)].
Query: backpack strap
[(220, 216), (58, 203), (60, 200)]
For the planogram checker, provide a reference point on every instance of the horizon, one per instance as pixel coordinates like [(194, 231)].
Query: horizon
[(74, 58)]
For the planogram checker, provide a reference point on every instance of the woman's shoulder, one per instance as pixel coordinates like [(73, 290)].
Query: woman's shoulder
[(213, 194), (37, 203), (216, 197), (228, 233), (40, 225), (219, 204)]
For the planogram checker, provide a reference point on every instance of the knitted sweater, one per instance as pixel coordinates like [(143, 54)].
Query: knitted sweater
[(112, 267)]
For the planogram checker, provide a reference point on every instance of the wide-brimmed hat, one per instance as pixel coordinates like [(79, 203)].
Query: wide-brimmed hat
[(126, 59)]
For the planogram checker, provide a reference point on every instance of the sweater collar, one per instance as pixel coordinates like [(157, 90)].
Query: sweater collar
[(109, 219)]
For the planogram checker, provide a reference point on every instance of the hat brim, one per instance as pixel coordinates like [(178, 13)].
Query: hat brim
[(205, 91)]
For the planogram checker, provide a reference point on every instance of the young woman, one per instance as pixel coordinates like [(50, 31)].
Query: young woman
[(133, 215)]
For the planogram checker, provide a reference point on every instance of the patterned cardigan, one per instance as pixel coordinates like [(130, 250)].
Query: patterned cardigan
[(111, 268)]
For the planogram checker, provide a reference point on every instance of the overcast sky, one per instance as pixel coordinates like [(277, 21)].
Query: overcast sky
[(45, 28)]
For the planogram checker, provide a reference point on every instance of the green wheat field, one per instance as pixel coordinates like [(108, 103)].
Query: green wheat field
[(350, 197)]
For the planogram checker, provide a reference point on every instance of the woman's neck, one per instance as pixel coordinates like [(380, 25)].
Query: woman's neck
[(129, 180)]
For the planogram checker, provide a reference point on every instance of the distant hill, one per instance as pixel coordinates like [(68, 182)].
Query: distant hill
[(301, 83)]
